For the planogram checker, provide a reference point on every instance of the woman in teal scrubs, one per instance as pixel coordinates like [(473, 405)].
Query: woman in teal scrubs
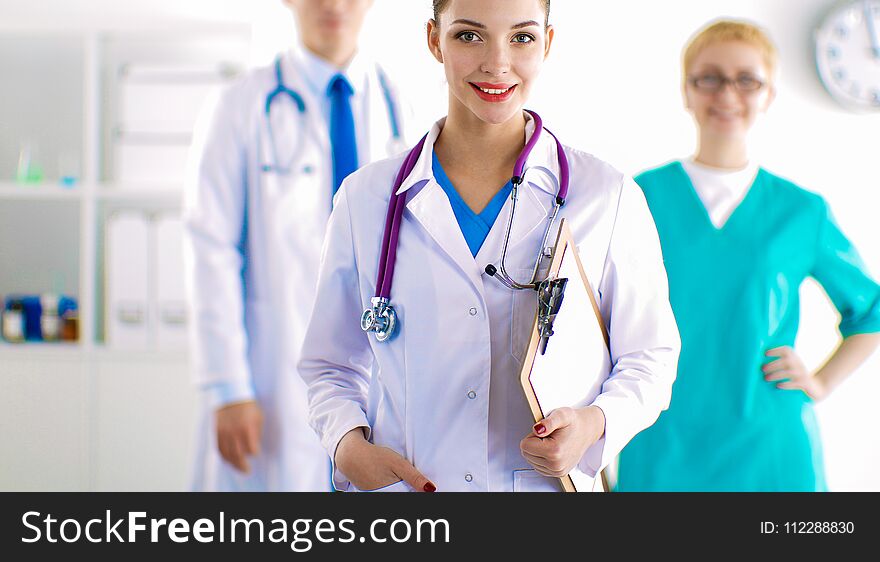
[(738, 242)]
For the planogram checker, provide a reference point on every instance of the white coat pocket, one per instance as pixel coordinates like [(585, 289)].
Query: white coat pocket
[(524, 308), (532, 481), (399, 486)]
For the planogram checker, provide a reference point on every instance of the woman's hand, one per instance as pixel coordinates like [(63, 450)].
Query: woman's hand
[(558, 442), (370, 467), (794, 375)]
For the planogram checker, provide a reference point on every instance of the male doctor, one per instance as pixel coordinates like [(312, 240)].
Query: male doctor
[(259, 193)]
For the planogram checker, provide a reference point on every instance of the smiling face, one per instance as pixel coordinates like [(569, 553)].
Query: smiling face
[(492, 51), (728, 85)]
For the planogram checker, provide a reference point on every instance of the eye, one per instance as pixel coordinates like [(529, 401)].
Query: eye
[(468, 37), (523, 38), (748, 83), (707, 82)]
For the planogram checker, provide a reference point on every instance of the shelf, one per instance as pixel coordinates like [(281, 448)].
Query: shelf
[(39, 350), (145, 194), (41, 192), (71, 350), (117, 193), (102, 351)]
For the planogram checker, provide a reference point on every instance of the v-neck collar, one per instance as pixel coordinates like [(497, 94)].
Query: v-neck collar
[(480, 223), (487, 215), (429, 204), (704, 212)]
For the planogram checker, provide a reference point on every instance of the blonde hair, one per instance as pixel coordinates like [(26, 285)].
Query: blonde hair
[(731, 30)]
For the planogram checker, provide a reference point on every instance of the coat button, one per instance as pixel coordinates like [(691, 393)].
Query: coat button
[(472, 311), (468, 478), (472, 395)]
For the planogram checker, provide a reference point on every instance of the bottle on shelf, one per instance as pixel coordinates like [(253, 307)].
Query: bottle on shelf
[(29, 170), (13, 321), (70, 326), (50, 321)]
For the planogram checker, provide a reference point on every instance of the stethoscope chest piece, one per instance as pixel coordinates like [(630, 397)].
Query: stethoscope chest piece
[(381, 319)]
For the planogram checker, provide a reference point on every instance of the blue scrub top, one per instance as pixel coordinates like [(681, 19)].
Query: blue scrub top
[(735, 294), (474, 226)]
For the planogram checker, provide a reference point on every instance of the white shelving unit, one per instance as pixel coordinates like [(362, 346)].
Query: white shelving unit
[(97, 193), (86, 415)]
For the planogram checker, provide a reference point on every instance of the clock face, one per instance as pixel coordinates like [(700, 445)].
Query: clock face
[(848, 54)]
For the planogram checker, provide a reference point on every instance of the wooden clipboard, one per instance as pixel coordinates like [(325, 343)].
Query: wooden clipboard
[(577, 359)]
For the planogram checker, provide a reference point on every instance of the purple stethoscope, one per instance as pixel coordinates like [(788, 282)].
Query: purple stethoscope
[(381, 318)]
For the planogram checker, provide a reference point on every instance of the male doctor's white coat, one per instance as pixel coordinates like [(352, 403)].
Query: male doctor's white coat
[(445, 392), (253, 243)]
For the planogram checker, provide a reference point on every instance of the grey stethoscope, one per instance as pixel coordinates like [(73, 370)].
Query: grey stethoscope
[(280, 89), (381, 318)]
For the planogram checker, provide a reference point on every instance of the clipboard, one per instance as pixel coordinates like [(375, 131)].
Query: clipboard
[(577, 359)]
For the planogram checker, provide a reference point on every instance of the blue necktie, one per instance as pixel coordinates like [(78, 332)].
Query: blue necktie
[(343, 141)]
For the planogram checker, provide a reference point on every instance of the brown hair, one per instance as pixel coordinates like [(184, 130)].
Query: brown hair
[(440, 5), (730, 30)]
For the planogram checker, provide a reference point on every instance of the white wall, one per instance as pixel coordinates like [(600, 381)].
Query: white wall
[(611, 87)]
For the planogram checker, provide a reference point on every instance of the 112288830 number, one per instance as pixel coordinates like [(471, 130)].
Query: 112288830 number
[(818, 527)]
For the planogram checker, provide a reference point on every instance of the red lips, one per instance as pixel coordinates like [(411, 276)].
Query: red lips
[(496, 98)]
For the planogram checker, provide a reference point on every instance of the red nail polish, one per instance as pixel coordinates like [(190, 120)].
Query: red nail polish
[(430, 488), (540, 429)]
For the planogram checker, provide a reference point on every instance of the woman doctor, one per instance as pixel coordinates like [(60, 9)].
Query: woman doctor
[(278, 144), (738, 242), (439, 406)]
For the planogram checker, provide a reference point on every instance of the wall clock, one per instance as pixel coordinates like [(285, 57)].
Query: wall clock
[(848, 54)]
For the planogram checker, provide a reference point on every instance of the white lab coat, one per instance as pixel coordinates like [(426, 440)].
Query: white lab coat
[(253, 242), (445, 392)]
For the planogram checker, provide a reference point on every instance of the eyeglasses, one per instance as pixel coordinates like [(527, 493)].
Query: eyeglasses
[(713, 83)]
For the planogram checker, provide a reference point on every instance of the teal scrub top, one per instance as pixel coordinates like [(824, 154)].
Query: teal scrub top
[(474, 227), (734, 292)]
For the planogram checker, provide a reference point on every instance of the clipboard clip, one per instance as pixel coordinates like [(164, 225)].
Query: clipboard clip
[(550, 295)]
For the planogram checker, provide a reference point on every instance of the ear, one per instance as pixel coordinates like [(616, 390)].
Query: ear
[(771, 97), (686, 96), (549, 35), (433, 38)]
